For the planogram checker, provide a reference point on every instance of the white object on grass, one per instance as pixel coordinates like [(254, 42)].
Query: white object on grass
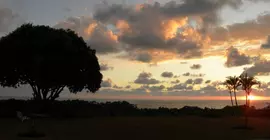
[(21, 117)]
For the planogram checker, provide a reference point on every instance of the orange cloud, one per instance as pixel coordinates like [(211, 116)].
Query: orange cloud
[(90, 29), (94, 26), (122, 26), (170, 27), (112, 35), (192, 34), (139, 7)]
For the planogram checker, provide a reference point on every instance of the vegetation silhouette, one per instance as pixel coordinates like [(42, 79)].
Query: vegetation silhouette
[(247, 82), (84, 109), (233, 82), (230, 89), (48, 60)]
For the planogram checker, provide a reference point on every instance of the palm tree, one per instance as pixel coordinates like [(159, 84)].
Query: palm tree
[(247, 82), (229, 87), (234, 83)]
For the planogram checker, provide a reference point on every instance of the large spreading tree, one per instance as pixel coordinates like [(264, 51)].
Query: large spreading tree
[(48, 60)]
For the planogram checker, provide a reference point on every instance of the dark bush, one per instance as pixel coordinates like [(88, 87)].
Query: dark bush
[(78, 108)]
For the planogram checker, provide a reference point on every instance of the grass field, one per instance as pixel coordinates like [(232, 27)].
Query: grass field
[(138, 128)]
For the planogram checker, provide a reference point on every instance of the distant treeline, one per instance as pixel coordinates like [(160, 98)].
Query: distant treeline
[(78, 108)]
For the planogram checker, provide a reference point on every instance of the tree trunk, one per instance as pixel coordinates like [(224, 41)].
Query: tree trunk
[(246, 99), (246, 110), (231, 98), (46, 94), (235, 97)]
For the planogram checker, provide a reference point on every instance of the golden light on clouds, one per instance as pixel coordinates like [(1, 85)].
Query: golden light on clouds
[(105, 32), (112, 35), (90, 29), (193, 35), (122, 26), (170, 27)]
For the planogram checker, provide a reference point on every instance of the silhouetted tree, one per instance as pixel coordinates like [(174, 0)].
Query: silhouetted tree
[(229, 87), (48, 60), (234, 83), (247, 82)]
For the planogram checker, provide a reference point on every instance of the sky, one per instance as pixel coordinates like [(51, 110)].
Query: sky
[(161, 49)]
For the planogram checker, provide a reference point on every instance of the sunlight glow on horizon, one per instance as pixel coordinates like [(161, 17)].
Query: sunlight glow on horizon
[(169, 98), (254, 98)]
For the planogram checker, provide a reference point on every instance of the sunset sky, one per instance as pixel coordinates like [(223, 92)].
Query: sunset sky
[(158, 49)]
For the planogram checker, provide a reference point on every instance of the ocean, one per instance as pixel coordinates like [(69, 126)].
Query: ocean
[(181, 103), (175, 103)]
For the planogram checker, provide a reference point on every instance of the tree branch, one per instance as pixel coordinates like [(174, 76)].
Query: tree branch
[(55, 93)]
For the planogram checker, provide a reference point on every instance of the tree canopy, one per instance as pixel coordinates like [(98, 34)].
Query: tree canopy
[(234, 83), (48, 60)]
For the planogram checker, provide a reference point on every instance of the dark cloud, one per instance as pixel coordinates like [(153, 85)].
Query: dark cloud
[(217, 84), (167, 74), (106, 83), (143, 57), (105, 67), (209, 87), (202, 8), (198, 81), (196, 66), (189, 81), (186, 74), (267, 44), (180, 86), (107, 13), (235, 58), (190, 87), (148, 41), (197, 75), (128, 87), (117, 87), (146, 78), (250, 30), (147, 26), (150, 90), (156, 88), (97, 35), (193, 75), (260, 68), (175, 82), (207, 81)]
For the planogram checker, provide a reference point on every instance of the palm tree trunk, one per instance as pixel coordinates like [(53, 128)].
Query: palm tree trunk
[(231, 97), (235, 97), (246, 99), (246, 111)]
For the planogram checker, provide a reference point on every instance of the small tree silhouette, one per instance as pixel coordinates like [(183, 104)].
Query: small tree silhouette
[(48, 60)]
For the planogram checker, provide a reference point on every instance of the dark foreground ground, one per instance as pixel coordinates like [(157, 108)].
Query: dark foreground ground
[(139, 128)]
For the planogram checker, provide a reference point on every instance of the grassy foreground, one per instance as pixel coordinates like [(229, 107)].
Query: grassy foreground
[(138, 128)]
